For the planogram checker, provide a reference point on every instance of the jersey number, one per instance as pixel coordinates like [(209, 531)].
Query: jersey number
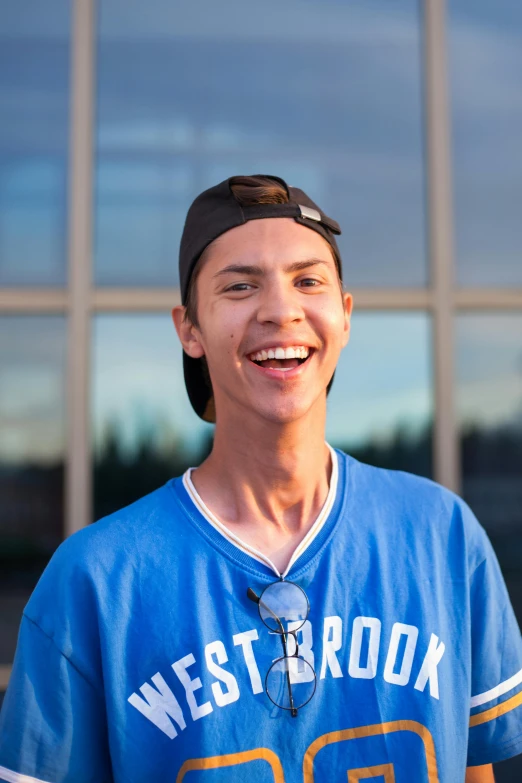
[(313, 752)]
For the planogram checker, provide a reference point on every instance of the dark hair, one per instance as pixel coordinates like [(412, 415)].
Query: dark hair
[(248, 191)]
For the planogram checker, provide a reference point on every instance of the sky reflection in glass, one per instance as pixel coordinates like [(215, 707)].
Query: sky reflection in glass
[(32, 389), (34, 109), (189, 95), (485, 58)]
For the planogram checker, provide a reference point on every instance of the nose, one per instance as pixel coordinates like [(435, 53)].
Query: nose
[(279, 304)]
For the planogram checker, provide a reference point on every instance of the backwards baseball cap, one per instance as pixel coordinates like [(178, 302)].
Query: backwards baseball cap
[(213, 212)]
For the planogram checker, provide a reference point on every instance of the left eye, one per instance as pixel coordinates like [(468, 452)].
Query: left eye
[(309, 280)]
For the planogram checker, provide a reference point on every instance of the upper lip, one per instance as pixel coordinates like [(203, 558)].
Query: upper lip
[(281, 344)]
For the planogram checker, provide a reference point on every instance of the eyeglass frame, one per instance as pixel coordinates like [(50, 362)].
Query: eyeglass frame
[(252, 595)]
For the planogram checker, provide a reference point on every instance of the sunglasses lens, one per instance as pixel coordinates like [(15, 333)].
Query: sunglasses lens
[(283, 602), (290, 682)]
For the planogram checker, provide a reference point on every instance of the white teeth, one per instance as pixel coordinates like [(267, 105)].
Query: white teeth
[(295, 352)]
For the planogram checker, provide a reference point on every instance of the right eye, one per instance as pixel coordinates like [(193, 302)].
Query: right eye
[(239, 287)]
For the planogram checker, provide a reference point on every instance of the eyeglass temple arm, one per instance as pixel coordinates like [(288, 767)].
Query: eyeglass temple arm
[(257, 600)]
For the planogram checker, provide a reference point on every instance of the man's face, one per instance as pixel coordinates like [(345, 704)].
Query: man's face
[(268, 285)]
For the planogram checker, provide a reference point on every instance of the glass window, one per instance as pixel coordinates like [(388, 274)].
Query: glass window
[(34, 108), (485, 66), (188, 97), (489, 375), (32, 405), (144, 428), (380, 407)]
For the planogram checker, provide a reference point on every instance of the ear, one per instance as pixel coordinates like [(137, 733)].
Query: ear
[(189, 335), (348, 307)]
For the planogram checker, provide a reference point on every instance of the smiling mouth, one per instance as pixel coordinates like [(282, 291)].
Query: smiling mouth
[(281, 364)]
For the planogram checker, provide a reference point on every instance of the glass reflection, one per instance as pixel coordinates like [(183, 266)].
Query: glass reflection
[(485, 66), (489, 396), (32, 404), (34, 105), (380, 407), (145, 431), (189, 96), (144, 428)]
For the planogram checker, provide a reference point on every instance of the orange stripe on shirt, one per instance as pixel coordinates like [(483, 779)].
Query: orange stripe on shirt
[(496, 712)]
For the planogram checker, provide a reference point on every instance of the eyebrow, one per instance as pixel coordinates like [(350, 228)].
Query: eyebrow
[(249, 269)]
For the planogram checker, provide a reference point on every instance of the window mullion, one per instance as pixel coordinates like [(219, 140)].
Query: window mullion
[(440, 238), (78, 475)]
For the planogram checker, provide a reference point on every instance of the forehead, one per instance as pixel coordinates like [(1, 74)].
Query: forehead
[(267, 242)]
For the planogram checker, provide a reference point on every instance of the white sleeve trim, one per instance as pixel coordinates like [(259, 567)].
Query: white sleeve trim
[(504, 687), (16, 777)]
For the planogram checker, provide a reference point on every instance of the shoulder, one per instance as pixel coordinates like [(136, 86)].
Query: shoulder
[(398, 485), (99, 559), (119, 532), (423, 507)]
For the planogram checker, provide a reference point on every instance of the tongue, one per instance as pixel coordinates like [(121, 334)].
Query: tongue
[(272, 364)]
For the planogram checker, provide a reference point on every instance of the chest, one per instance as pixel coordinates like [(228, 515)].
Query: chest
[(379, 663)]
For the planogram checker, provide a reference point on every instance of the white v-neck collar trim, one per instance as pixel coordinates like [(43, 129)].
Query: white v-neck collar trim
[(250, 550)]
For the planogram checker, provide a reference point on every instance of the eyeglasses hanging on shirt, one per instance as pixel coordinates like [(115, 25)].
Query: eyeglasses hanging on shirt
[(290, 681)]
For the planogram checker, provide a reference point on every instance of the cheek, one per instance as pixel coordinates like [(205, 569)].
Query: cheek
[(220, 342), (332, 321), (224, 326)]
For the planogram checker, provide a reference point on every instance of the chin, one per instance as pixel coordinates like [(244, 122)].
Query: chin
[(284, 411)]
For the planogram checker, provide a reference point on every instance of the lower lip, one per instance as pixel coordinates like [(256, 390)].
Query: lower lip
[(282, 375)]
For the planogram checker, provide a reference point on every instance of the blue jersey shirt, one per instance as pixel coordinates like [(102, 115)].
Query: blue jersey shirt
[(140, 657)]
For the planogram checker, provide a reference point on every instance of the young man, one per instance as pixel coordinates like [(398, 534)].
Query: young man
[(283, 612)]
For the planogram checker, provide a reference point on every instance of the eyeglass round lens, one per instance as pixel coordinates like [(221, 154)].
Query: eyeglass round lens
[(282, 603), (290, 682)]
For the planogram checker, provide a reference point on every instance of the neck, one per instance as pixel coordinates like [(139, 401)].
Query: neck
[(265, 474)]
